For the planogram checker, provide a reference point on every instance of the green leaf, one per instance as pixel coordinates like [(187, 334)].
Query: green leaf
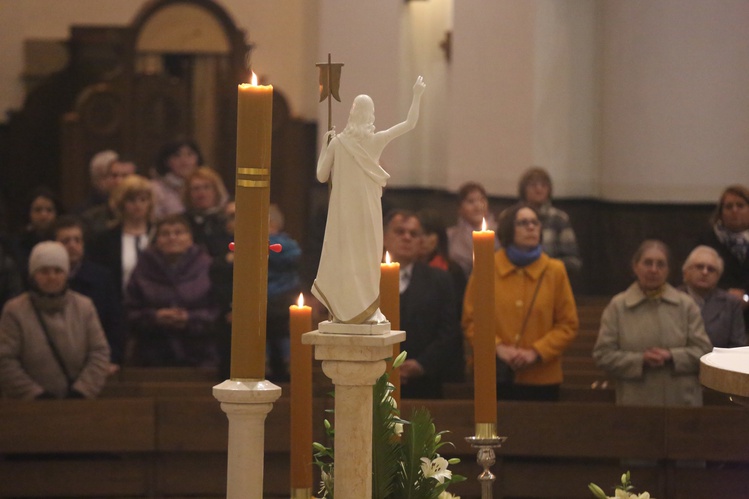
[(385, 444), (418, 442)]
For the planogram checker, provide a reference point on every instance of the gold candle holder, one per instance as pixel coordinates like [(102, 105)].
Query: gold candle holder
[(485, 441)]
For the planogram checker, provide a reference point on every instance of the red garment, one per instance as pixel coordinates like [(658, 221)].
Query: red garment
[(439, 262)]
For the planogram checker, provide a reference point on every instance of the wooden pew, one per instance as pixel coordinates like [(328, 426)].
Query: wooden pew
[(554, 450), (76, 448), (175, 446)]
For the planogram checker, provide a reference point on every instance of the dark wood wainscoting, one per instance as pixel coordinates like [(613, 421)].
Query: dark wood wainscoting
[(608, 233)]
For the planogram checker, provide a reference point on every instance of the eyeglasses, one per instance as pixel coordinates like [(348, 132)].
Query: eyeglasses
[(527, 223), (705, 267), (400, 231)]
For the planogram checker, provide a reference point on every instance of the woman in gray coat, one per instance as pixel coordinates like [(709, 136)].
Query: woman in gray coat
[(51, 342), (652, 337)]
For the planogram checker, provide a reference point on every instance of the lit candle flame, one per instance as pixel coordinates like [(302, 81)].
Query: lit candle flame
[(387, 257), (253, 79), (300, 301), (483, 224)]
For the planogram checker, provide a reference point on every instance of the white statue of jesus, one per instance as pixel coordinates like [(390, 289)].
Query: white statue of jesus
[(348, 278)]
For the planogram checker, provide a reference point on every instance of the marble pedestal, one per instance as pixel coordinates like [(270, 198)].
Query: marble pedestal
[(727, 370), (246, 404), (353, 362)]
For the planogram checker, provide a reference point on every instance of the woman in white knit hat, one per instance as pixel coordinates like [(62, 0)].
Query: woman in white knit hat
[(51, 342)]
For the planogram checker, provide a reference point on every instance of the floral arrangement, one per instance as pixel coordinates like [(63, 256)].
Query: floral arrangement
[(405, 461), (622, 491)]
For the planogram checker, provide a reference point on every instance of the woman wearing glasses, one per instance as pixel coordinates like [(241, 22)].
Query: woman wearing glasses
[(536, 316), (652, 337)]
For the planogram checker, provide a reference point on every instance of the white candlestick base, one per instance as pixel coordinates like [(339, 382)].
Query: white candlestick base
[(353, 362), (246, 404)]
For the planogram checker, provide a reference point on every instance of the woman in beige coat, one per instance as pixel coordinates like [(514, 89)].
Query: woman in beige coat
[(52, 345), (652, 337)]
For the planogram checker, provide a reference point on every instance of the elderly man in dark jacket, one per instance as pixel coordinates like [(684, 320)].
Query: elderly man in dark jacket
[(721, 311), (434, 341)]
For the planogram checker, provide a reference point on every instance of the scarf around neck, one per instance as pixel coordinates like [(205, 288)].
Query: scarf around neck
[(46, 302), (520, 257), (736, 242)]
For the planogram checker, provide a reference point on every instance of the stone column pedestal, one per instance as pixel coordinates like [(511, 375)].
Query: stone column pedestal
[(353, 362), (246, 404)]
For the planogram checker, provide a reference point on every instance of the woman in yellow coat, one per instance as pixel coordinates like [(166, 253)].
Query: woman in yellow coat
[(535, 311)]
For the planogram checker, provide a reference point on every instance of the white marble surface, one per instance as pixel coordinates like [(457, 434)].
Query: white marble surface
[(355, 348), (729, 359), (353, 363), (355, 329), (246, 404)]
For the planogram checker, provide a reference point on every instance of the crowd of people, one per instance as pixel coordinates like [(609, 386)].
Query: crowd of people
[(141, 274)]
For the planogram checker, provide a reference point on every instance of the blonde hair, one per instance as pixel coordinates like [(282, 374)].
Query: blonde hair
[(211, 175), (130, 187)]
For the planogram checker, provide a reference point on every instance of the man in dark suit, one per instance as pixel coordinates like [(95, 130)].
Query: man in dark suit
[(427, 312), (96, 282), (721, 311)]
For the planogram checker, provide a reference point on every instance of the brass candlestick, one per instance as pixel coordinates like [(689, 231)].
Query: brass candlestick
[(486, 440)]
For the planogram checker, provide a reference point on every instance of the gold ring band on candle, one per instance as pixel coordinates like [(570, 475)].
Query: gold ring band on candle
[(253, 171), (486, 430), (253, 183), (301, 493)]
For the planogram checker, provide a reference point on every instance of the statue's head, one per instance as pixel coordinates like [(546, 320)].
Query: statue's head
[(362, 111)]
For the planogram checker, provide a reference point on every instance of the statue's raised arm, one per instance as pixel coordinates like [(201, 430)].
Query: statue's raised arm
[(411, 119), (348, 278)]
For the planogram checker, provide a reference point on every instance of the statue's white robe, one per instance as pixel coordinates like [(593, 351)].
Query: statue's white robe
[(348, 278)]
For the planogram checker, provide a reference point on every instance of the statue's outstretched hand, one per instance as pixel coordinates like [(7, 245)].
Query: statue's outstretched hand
[(419, 86), (330, 134)]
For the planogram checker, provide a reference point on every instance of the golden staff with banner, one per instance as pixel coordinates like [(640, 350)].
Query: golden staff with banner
[(330, 83)]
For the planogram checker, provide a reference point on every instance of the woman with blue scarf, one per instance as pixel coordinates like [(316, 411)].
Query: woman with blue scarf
[(535, 311)]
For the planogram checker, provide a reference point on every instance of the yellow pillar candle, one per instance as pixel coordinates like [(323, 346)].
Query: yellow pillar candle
[(484, 352), (390, 306), (300, 322), (254, 120)]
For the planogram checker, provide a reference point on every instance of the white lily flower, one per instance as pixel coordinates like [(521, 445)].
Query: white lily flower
[(447, 495), (398, 429), (436, 468)]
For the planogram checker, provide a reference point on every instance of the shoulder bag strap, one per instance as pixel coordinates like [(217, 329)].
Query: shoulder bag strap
[(51, 344), (530, 307)]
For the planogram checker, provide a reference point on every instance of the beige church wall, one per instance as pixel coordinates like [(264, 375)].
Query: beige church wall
[(675, 106), (566, 93), (424, 152), (524, 87), (283, 33), (640, 101), (366, 37), (491, 85)]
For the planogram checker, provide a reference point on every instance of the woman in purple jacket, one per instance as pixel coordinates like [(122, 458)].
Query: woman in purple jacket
[(168, 300)]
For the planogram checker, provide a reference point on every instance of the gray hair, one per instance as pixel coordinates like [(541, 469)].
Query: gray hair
[(100, 163), (705, 250)]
